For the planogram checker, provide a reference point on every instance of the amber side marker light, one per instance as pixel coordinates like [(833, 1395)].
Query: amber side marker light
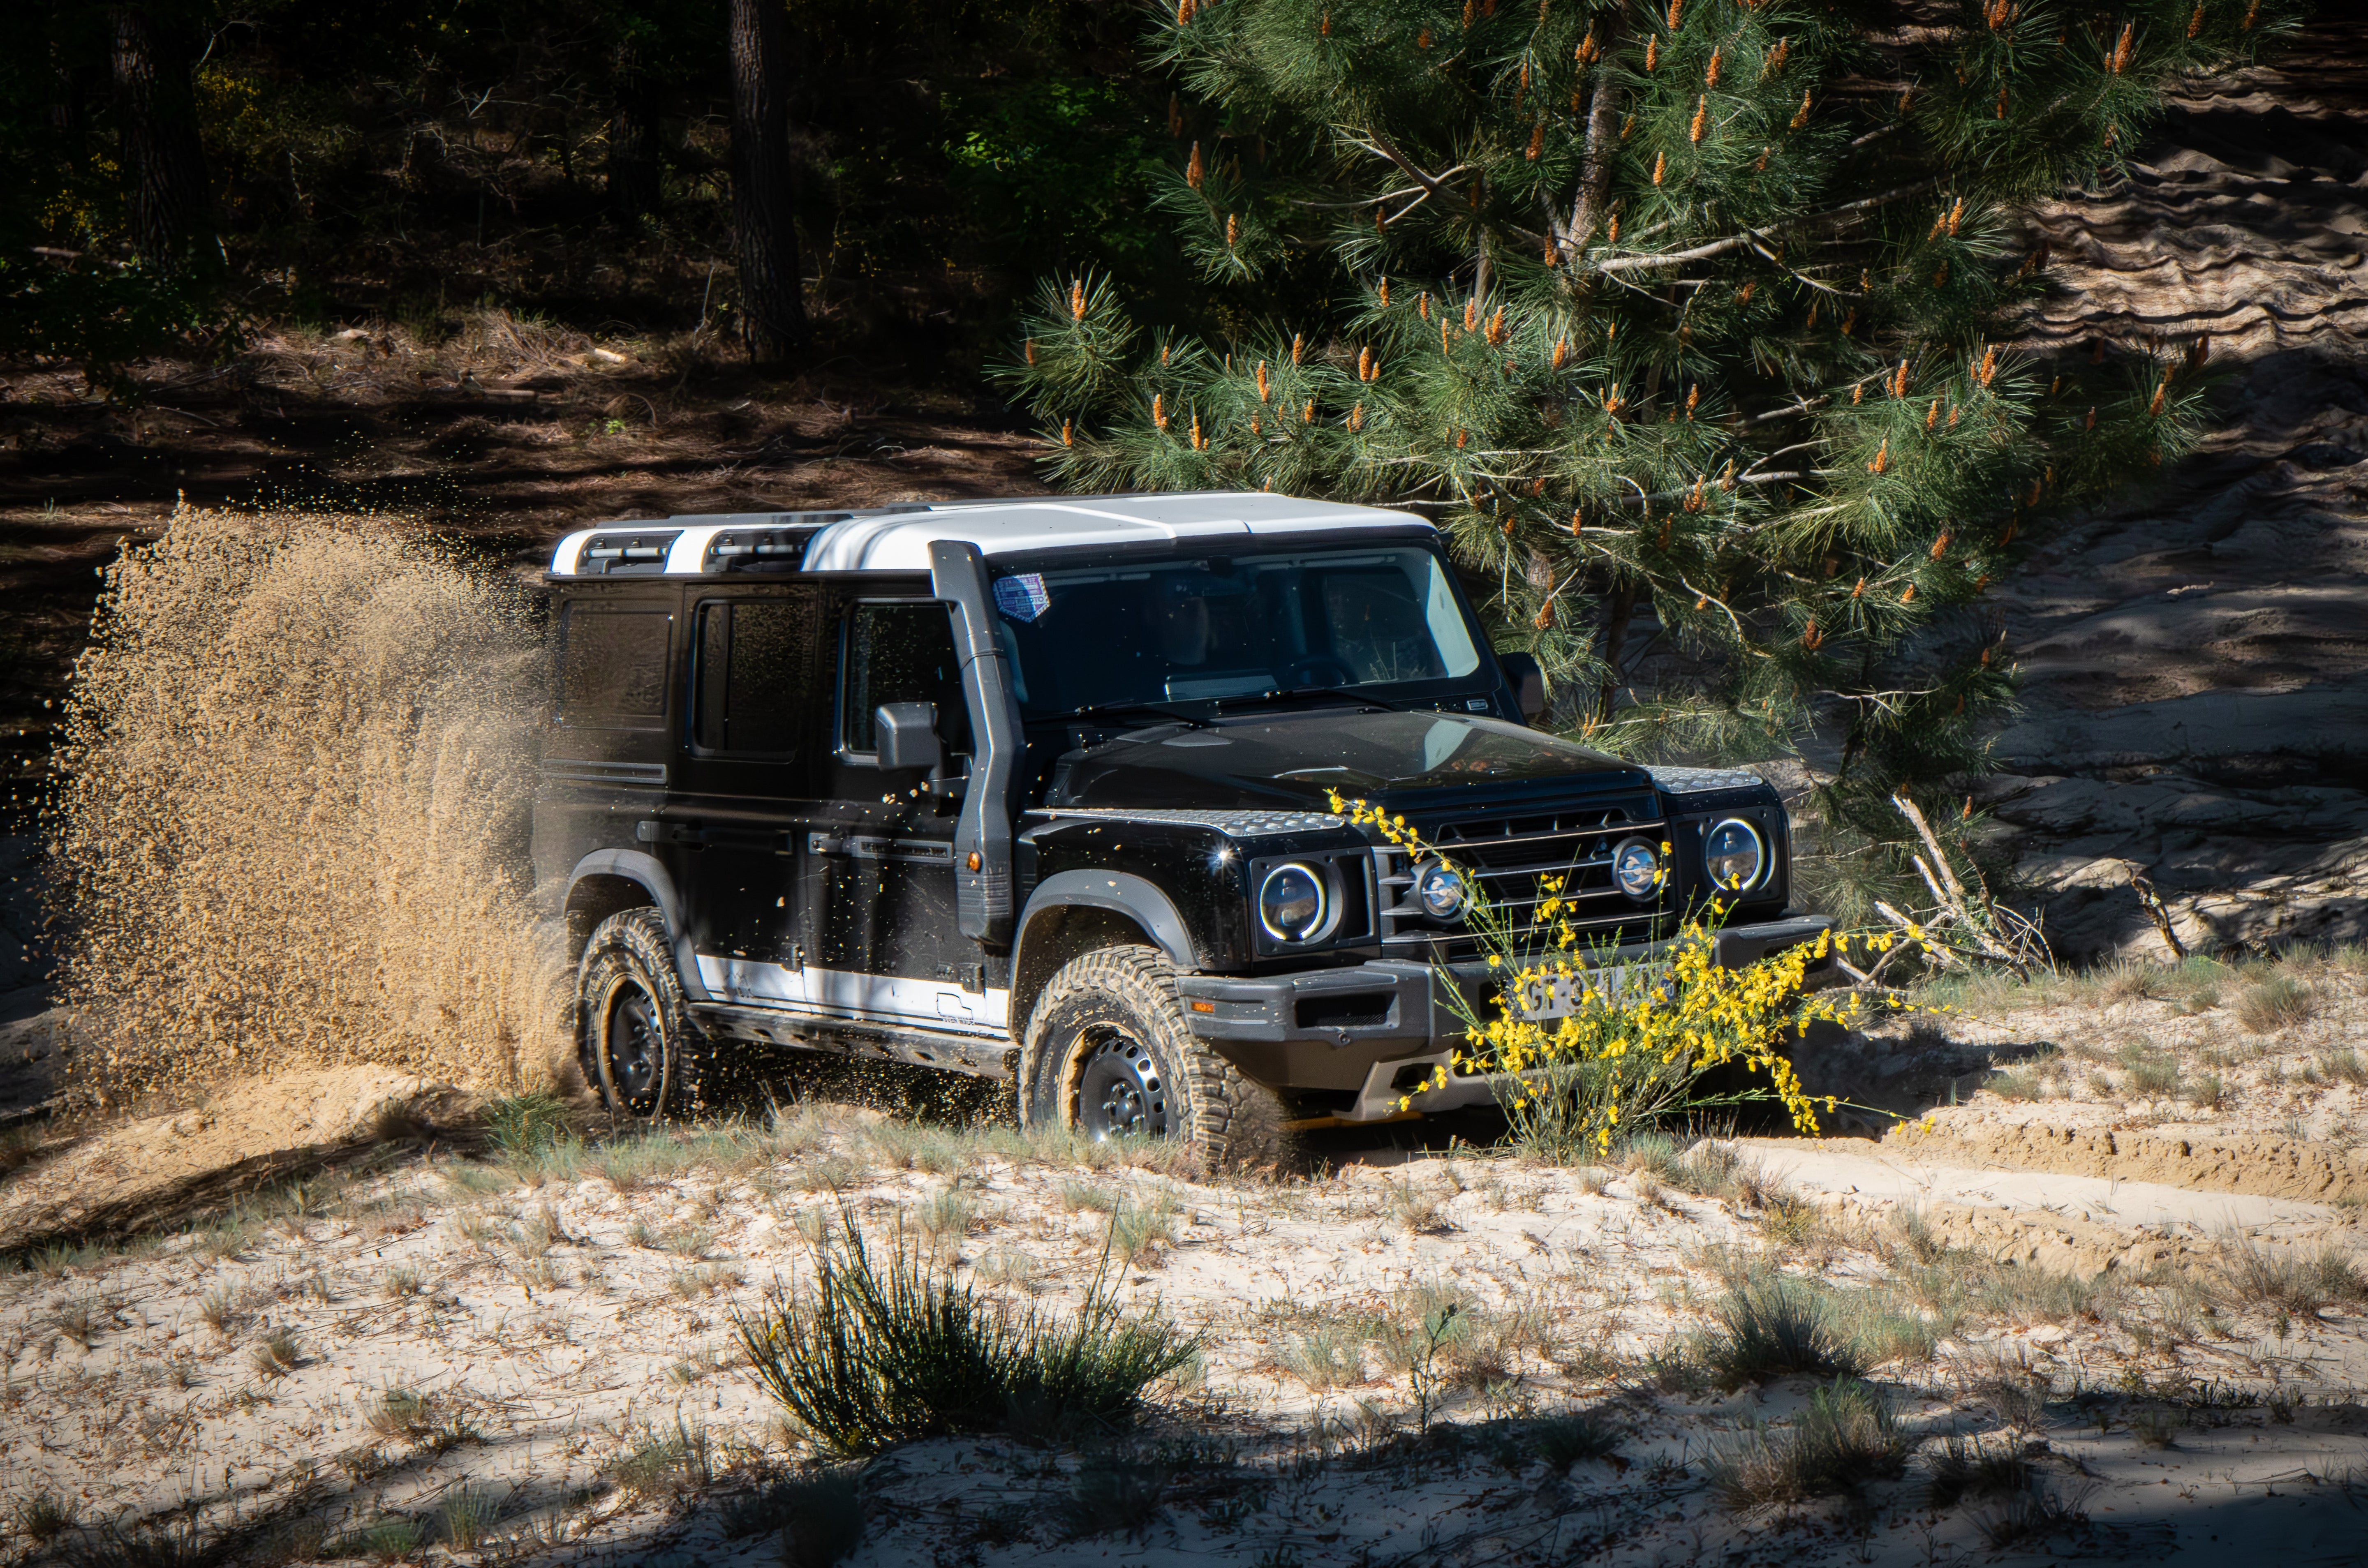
[(1205, 1007)]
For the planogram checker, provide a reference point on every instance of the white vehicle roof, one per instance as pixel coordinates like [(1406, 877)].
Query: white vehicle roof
[(897, 538)]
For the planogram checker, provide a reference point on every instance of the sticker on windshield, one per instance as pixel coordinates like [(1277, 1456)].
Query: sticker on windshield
[(1022, 597)]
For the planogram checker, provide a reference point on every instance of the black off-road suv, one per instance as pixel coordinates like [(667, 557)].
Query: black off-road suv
[(1039, 791)]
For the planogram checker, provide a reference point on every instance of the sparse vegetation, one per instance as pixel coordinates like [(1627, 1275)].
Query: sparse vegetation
[(523, 1126), (879, 1352), (1848, 1435), (2035, 1512), (1329, 1356), (818, 1517), (662, 1463), (41, 1517), (1117, 1493), (1563, 1441), (276, 1354), (2277, 1001), (2257, 1276), (1970, 1467), (1772, 1325), (1137, 1231)]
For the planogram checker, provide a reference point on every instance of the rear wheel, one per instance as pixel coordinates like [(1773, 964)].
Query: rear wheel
[(642, 1050), (1107, 1053)]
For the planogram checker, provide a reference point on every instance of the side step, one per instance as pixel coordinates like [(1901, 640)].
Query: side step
[(992, 1059)]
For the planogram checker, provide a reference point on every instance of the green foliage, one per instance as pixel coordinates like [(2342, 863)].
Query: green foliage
[(523, 1126), (1774, 1326), (874, 1355), (1688, 311)]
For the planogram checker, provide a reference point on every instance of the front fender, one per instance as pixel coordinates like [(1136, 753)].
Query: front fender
[(1122, 892)]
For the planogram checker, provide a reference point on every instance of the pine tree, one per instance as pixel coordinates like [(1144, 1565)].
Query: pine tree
[(1691, 308)]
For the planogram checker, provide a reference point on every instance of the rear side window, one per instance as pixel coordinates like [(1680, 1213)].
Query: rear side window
[(612, 666), (760, 688), (902, 653)]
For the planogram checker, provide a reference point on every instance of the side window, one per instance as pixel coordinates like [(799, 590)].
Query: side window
[(901, 653), (612, 666), (756, 681)]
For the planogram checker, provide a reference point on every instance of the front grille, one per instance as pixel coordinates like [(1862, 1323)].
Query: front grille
[(1507, 854)]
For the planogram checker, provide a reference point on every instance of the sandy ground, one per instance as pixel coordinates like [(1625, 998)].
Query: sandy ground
[(559, 1339)]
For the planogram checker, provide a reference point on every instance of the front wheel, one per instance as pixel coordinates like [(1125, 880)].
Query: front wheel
[(1108, 1054), (642, 1050)]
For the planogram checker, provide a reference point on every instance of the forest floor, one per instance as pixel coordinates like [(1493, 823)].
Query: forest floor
[(490, 428), (2117, 1346)]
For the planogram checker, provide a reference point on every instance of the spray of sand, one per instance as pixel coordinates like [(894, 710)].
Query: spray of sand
[(299, 768)]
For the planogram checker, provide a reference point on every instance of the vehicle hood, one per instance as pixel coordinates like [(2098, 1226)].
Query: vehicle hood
[(1294, 760)]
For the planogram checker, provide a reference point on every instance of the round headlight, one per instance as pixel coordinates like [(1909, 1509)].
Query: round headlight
[(1734, 856), (1636, 866), (1438, 887), (1293, 903)]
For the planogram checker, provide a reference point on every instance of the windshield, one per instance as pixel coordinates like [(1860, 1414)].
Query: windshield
[(1122, 633)]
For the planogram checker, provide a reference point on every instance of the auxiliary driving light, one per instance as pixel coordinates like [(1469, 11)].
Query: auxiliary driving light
[(1438, 887), (1636, 866)]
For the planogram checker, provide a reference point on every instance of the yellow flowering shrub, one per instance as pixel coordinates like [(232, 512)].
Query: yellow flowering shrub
[(1639, 1038)]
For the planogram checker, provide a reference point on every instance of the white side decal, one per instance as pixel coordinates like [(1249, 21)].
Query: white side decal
[(846, 994)]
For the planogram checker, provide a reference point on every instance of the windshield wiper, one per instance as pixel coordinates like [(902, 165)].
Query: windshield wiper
[(1114, 710), (1362, 700)]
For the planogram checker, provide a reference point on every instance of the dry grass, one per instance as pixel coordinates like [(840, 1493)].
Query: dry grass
[(2254, 1276), (1848, 1435), (2278, 1002)]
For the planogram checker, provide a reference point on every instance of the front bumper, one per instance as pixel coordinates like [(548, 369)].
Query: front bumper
[(1373, 1031)]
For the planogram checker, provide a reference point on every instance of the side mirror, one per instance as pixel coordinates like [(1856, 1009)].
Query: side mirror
[(907, 736), (1528, 680)]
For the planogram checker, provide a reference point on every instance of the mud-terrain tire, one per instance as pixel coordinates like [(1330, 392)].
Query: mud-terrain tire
[(642, 1050), (1108, 1053)]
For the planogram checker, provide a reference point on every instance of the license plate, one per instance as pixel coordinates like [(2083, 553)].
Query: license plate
[(1559, 996)]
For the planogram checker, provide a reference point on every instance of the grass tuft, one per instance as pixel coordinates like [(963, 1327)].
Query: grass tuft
[(819, 1517), (874, 1353), (1848, 1435), (1967, 1467), (523, 1126), (664, 1463), (2279, 1002), (467, 1518), (276, 1354), (1770, 1325), (1563, 1441), (1332, 1356), (41, 1516), (2301, 1283), (2036, 1513), (1115, 1494), (1137, 1231)]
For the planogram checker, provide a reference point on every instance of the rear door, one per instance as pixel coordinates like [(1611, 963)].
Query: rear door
[(605, 759), (887, 944), (753, 745)]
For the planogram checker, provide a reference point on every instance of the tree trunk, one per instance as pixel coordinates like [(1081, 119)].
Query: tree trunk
[(634, 172), (165, 188), (1615, 636), (1601, 154), (773, 311)]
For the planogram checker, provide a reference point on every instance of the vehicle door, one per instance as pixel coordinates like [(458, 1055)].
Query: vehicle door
[(757, 736), (605, 760), (886, 943)]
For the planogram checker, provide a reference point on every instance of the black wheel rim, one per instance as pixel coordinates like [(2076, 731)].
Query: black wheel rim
[(1120, 1092), (636, 1050)]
